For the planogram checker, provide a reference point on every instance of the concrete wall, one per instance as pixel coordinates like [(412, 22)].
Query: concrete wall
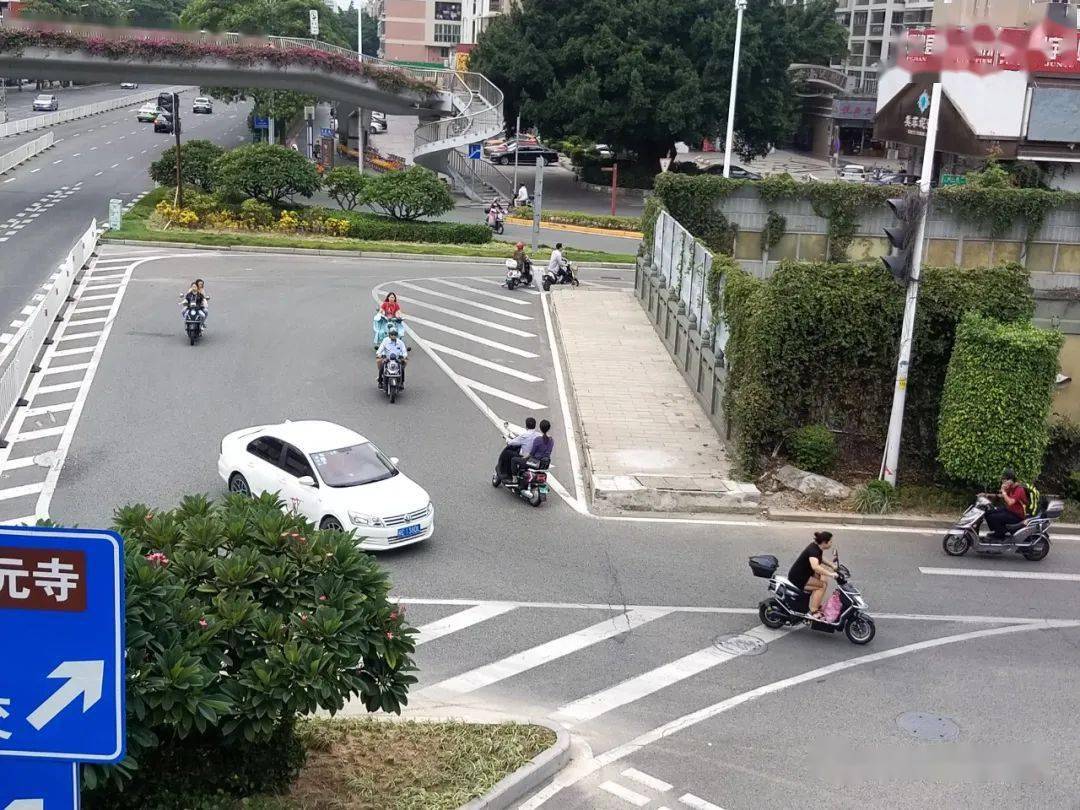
[(702, 370)]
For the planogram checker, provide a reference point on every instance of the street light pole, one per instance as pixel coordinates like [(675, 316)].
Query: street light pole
[(903, 363), (740, 6), (359, 111), (517, 134)]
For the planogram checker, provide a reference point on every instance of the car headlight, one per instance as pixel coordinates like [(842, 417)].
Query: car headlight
[(360, 519), (430, 509)]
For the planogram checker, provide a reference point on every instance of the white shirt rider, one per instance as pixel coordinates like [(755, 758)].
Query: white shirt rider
[(523, 195), (392, 346), (555, 263)]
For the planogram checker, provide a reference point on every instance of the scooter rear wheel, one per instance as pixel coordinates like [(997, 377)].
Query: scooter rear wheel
[(495, 480), (956, 545), (1039, 549), (771, 615), (860, 630)]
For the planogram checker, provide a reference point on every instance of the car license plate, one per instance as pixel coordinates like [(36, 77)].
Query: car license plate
[(409, 531)]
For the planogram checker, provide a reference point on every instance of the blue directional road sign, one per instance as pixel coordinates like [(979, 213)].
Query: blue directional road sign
[(476, 151), (326, 132), (38, 784), (62, 636), (261, 123)]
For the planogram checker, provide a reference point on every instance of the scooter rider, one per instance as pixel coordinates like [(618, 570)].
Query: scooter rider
[(196, 296), (1014, 496), (522, 263), (540, 449), (517, 446), (556, 262), (391, 345), (809, 571)]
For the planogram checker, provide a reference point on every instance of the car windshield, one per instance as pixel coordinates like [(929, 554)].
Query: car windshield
[(353, 466), (44, 98)]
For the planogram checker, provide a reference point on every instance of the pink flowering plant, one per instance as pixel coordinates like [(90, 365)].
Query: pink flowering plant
[(240, 618)]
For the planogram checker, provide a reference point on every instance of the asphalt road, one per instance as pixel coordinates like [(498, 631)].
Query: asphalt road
[(47, 203), (640, 634), (20, 104)]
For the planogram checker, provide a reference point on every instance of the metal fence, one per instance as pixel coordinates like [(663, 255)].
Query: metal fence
[(82, 111), (25, 152), (685, 265), (19, 355)]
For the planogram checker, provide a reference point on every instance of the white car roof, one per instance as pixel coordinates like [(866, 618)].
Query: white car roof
[(313, 435)]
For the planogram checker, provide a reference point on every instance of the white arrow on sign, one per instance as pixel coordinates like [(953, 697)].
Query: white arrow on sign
[(26, 804), (83, 678)]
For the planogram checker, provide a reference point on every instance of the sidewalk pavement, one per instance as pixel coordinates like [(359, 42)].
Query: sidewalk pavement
[(796, 164), (647, 443)]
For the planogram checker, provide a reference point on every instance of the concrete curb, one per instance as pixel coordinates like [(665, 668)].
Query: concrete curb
[(511, 789), (900, 521), (356, 254)]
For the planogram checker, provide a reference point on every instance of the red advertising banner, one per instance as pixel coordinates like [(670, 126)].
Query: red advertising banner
[(42, 579), (1047, 48)]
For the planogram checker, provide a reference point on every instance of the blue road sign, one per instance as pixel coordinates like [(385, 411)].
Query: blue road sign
[(261, 123), (38, 784), (326, 132), (62, 631), (476, 151)]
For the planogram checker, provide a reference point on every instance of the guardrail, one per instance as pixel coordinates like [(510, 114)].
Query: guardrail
[(82, 111), (19, 356), (25, 152)]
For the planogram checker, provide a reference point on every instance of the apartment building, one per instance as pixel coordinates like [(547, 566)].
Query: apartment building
[(478, 14), (872, 25), (419, 30)]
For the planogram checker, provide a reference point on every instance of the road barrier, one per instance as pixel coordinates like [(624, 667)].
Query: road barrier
[(25, 152), (19, 356), (83, 111)]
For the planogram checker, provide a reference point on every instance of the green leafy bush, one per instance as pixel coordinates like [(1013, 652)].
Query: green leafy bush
[(197, 159), (265, 172), (996, 400), (1062, 459), (615, 223), (875, 497), (410, 193), (347, 186), (256, 214), (374, 227), (1072, 488), (241, 618), (813, 448)]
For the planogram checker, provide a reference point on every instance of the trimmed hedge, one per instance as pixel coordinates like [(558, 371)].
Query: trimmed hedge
[(376, 228), (996, 400), (606, 221), (1061, 465)]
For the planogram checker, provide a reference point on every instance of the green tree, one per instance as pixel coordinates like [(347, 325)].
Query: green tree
[(643, 74), (155, 13), (99, 11), (285, 18), (197, 159), (264, 172), (347, 186), (346, 19), (410, 193)]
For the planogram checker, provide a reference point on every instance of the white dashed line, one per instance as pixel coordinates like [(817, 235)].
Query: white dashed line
[(33, 171), (61, 160), (98, 174), (114, 165)]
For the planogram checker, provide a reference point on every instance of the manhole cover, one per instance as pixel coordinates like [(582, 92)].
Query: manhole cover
[(739, 644), (928, 726)]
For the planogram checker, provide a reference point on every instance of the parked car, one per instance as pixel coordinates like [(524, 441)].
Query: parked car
[(46, 102), (735, 173), (377, 127), (163, 123), (526, 153), (129, 85), (332, 476), (604, 151), (148, 112), (376, 115), (202, 105), (852, 173), (496, 146)]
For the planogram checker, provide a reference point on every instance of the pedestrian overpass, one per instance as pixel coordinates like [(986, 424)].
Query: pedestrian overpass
[(455, 108)]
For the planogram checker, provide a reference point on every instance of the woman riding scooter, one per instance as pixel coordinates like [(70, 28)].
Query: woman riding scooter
[(389, 314)]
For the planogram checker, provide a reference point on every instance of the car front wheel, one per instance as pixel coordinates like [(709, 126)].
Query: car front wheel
[(239, 485), (331, 524)]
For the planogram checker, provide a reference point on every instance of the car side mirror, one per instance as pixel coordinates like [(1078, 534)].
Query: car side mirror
[(306, 481), (394, 460)]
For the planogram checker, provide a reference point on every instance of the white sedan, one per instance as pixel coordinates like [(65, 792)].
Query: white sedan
[(332, 476)]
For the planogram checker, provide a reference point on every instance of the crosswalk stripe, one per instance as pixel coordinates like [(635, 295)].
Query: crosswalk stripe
[(70, 352), (62, 369), (29, 413), (51, 389), (492, 344), (17, 463), (659, 785), (545, 653), (627, 795), (496, 392), (81, 310), (21, 492), (500, 284), (86, 321), (459, 621), (458, 299), (592, 706), (108, 297), (453, 313), (40, 434), (80, 335), (690, 800), (508, 299), (480, 361)]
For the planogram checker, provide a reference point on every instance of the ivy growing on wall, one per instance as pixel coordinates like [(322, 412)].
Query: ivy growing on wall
[(997, 209), (775, 225)]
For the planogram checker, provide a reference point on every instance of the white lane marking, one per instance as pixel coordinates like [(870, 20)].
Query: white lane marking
[(68, 386), (500, 284), (79, 154), (114, 165), (103, 297), (485, 293), (132, 157), (61, 160), (480, 361), (690, 800), (545, 653), (30, 413), (651, 782), (686, 721), (62, 369), (498, 392), (19, 492), (29, 435), (73, 352), (17, 463), (93, 148), (38, 169), (577, 501), (453, 313), (144, 151), (594, 705), (625, 794), (491, 344), (108, 142), (459, 621), (85, 321), (10, 180), (458, 299), (98, 174), (81, 310), (111, 277), (988, 572)]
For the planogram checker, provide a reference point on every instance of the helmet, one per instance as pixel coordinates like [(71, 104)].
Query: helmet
[(520, 245), (511, 264), (392, 331)]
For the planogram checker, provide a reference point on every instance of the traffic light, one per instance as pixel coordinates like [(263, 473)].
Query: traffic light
[(902, 236)]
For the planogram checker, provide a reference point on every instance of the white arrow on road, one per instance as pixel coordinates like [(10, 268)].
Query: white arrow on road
[(83, 678), (26, 804)]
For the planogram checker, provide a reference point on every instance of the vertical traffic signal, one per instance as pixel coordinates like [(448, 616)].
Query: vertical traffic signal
[(902, 236)]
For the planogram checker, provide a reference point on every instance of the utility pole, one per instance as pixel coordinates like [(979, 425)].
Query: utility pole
[(740, 6), (538, 202), (517, 134), (179, 160), (359, 112), (896, 417)]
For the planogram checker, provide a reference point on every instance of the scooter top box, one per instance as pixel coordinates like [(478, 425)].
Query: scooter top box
[(764, 565)]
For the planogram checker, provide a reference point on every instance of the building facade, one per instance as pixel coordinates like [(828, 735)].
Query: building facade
[(419, 30), (478, 14)]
